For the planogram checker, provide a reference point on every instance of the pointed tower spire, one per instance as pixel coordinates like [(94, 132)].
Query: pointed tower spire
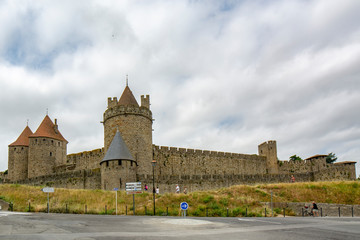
[(23, 139), (117, 150), (127, 98), (48, 129)]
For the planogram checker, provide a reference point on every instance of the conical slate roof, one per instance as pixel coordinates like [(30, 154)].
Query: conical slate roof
[(47, 129), (117, 150), (127, 98), (23, 139)]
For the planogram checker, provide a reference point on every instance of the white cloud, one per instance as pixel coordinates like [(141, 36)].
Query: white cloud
[(222, 75)]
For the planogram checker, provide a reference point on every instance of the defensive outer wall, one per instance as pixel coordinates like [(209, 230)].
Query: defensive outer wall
[(195, 169), (42, 160)]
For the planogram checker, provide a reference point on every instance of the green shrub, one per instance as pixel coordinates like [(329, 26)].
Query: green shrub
[(208, 198), (224, 201)]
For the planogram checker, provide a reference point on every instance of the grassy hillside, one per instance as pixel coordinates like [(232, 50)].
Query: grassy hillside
[(236, 198)]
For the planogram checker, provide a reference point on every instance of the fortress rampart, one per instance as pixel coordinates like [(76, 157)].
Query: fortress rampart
[(40, 158)]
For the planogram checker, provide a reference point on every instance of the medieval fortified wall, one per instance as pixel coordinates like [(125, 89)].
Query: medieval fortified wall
[(40, 158)]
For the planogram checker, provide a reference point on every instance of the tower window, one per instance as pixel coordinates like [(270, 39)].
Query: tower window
[(107, 163), (50, 154), (14, 149), (131, 163), (119, 162), (59, 144)]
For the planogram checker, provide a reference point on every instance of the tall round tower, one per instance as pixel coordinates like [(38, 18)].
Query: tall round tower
[(134, 122), (18, 156), (47, 149)]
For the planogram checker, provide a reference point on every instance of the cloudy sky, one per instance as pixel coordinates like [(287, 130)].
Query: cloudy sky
[(222, 75)]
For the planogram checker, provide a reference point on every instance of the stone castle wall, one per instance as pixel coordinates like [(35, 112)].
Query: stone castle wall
[(81, 179), (135, 126), (181, 161), (18, 162), (83, 160), (44, 155)]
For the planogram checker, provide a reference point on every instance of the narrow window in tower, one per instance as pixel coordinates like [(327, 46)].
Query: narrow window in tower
[(131, 163), (22, 148), (14, 149), (59, 144), (50, 154), (52, 141), (119, 162), (107, 163)]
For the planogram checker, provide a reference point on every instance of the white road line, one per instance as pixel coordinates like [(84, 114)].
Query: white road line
[(256, 220)]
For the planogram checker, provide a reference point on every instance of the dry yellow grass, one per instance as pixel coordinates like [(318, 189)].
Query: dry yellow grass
[(238, 199)]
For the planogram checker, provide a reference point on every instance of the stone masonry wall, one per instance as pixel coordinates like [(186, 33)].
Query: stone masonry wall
[(135, 125), (44, 155), (86, 160), (18, 162), (181, 161), (82, 179)]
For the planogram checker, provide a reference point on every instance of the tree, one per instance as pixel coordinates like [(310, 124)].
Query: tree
[(295, 158), (331, 158)]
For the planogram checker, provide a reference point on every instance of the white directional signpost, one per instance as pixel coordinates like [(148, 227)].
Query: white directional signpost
[(133, 188), (48, 190), (184, 206), (116, 189)]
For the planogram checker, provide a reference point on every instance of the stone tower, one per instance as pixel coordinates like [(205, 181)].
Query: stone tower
[(47, 149), (18, 156), (134, 122), (268, 149), (118, 166)]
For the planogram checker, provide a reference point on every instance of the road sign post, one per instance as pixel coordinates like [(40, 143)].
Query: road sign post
[(184, 207), (116, 189), (133, 188), (48, 190)]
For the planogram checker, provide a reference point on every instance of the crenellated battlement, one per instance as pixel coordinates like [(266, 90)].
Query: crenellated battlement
[(112, 102), (198, 152), (85, 154), (125, 110), (145, 101)]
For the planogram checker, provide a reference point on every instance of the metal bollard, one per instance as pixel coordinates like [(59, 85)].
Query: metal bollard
[(339, 211), (29, 207), (352, 211)]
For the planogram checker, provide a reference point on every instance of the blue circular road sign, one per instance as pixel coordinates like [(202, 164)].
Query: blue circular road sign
[(184, 206)]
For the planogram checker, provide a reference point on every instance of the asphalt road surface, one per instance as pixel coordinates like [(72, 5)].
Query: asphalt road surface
[(85, 227)]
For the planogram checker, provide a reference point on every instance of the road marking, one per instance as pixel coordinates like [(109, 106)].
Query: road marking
[(256, 220), (6, 213)]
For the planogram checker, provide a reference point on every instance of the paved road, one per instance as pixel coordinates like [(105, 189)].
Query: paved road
[(83, 227)]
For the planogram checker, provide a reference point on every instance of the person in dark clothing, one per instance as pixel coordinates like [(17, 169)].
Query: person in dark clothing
[(315, 209)]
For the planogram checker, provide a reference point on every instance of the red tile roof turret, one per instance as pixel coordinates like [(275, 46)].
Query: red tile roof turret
[(127, 98), (23, 139), (48, 129)]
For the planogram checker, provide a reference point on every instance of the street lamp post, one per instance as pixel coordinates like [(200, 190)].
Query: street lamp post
[(153, 163)]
